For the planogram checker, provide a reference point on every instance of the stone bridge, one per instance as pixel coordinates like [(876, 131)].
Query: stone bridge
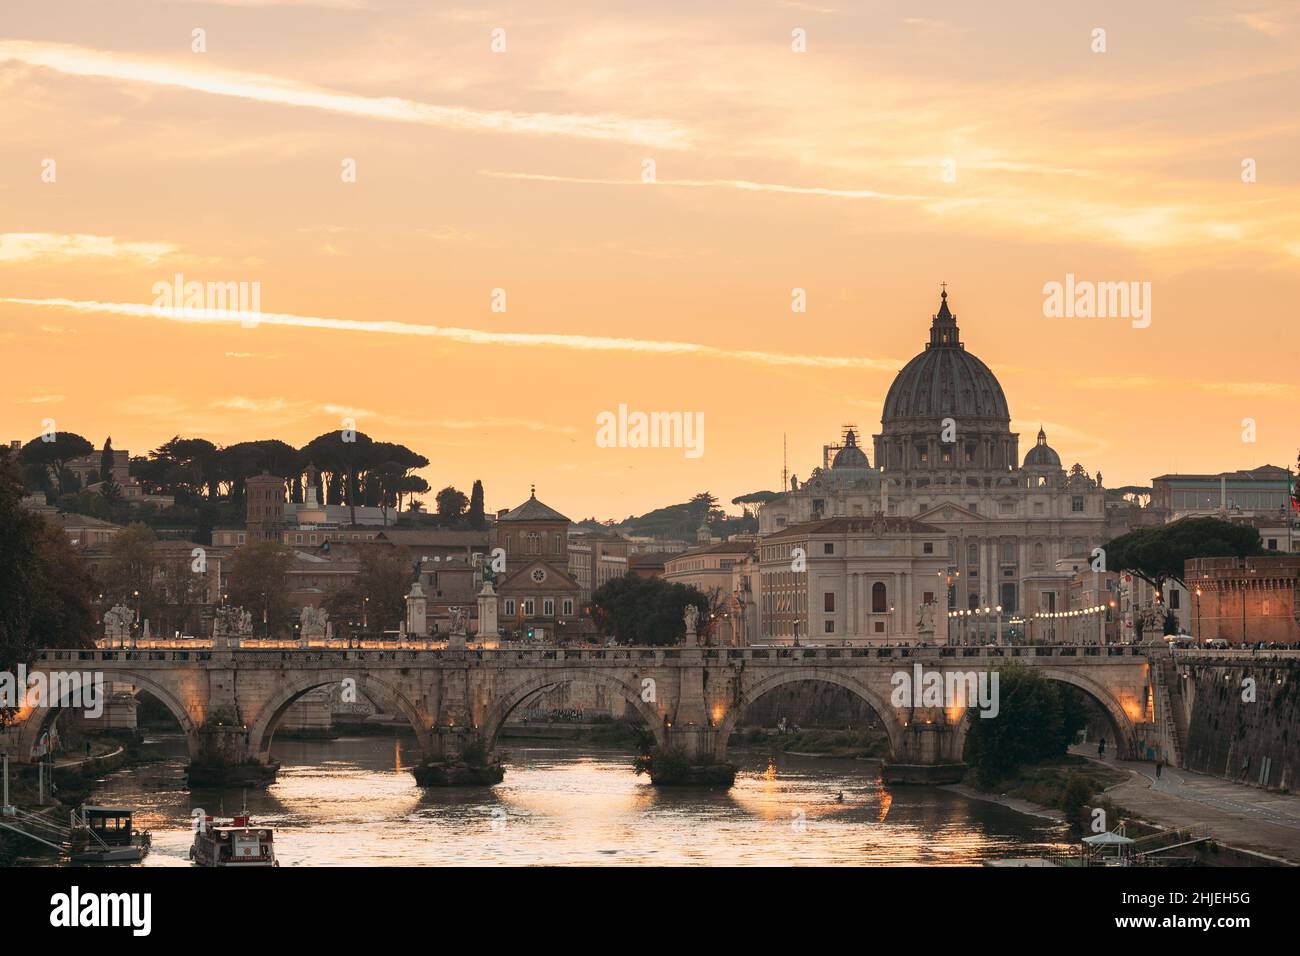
[(229, 702)]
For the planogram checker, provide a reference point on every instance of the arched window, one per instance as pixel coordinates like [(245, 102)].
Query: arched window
[(879, 604)]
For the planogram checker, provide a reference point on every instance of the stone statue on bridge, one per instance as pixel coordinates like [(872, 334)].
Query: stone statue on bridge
[(691, 617), (117, 623), (231, 624), (925, 619), (313, 622)]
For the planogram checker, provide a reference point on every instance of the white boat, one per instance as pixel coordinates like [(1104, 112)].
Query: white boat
[(236, 842)]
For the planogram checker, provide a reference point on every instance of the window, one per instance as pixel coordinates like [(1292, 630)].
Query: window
[(1272, 544), (529, 608), (828, 602), (828, 548), (548, 607), (1008, 598), (509, 605), (947, 455), (879, 602), (568, 607), (1008, 552), (1174, 595), (830, 627), (1076, 503), (927, 548)]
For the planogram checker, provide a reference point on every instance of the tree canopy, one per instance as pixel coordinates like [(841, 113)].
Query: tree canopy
[(1036, 721), (1159, 553), (55, 454), (635, 610), (45, 589)]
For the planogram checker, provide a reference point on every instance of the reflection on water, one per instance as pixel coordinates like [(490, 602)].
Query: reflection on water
[(347, 801)]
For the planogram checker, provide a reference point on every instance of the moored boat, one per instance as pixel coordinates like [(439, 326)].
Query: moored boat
[(106, 835), (235, 842)]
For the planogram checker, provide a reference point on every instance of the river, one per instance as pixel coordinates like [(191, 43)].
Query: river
[(351, 802)]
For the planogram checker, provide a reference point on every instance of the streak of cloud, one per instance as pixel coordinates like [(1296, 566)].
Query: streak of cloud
[(741, 184), (581, 343), (30, 246), (87, 62)]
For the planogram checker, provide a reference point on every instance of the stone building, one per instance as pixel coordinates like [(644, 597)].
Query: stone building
[(946, 457), (596, 557), (536, 592), (726, 572), (855, 580), (1244, 600), (264, 518)]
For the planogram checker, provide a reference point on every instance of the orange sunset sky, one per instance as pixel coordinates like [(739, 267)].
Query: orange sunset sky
[(522, 170)]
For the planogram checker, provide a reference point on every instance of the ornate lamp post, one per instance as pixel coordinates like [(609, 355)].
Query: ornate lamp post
[(950, 576)]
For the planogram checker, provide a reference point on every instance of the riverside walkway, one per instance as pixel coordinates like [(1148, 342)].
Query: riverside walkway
[(1242, 816)]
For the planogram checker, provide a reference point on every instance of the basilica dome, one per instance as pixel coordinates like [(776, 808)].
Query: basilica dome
[(945, 381), (850, 456), (1042, 455)]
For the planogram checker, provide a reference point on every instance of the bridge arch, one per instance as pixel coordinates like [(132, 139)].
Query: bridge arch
[(880, 705), (501, 708), (40, 718), (1121, 724), (262, 731)]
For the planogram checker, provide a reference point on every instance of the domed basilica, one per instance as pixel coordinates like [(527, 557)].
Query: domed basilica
[(947, 460)]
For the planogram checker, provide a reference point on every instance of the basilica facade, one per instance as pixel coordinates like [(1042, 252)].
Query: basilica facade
[(947, 459)]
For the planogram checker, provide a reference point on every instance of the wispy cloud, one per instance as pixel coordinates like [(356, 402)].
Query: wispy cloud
[(130, 68), (43, 400), (29, 246), (286, 406), (1241, 389), (496, 422), (321, 4), (559, 340), (741, 184)]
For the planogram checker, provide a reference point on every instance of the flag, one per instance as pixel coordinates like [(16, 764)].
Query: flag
[(1291, 489)]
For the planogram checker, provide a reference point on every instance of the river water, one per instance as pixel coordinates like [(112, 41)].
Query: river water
[(352, 802)]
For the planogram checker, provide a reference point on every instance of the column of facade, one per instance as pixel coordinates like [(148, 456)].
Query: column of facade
[(849, 605)]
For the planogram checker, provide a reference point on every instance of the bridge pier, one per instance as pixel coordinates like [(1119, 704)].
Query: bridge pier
[(927, 751), (225, 758), (458, 757)]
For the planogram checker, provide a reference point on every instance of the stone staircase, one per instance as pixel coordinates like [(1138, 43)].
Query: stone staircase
[(1168, 691)]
